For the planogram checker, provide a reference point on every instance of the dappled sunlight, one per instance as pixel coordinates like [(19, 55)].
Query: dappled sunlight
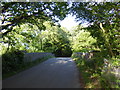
[(82, 34), (64, 60), (61, 61)]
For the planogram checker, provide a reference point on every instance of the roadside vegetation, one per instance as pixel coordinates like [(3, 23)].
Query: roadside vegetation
[(34, 27), (13, 63), (98, 73)]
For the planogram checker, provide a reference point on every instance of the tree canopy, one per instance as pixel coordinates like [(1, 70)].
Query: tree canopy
[(29, 27), (103, 20), (15, 13), (102, 17)]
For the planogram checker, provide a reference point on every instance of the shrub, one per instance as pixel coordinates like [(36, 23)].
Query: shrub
[(11, 61)]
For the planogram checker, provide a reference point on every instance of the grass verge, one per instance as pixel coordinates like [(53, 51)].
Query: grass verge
[(93, 74), (89, 80)]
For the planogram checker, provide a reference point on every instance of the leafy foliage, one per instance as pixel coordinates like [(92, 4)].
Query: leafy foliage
[(12, 61), (31, 26), (16, 13), (103, 21), (56, 40), (81, 40), (96, 72)]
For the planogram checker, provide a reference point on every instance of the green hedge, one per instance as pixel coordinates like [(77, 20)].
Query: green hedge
[(11, 61)]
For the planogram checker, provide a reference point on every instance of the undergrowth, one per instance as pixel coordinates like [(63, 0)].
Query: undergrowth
[(95, 72)]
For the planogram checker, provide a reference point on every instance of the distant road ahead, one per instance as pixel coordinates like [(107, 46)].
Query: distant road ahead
[(53, 73)]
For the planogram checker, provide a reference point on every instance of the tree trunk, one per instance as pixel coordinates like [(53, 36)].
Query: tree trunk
[(105, 35)]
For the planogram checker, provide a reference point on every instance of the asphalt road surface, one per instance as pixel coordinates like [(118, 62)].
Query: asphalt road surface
[(54, 73)]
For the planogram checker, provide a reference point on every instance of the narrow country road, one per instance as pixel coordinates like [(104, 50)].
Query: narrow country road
[(54, 73)]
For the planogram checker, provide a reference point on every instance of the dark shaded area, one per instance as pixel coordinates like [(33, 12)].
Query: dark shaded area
[(11, 61), (63, 53)]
